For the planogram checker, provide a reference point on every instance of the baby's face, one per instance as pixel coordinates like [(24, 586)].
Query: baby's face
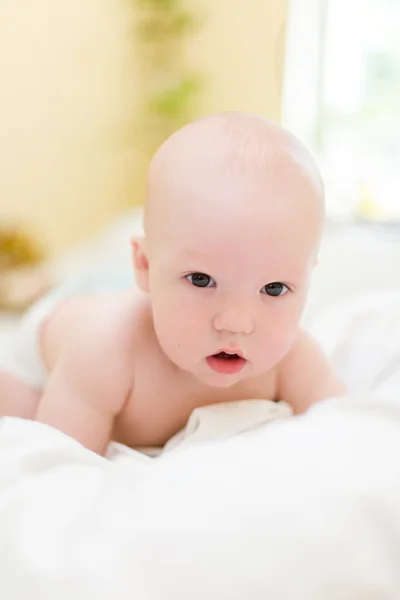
[(229, 275)]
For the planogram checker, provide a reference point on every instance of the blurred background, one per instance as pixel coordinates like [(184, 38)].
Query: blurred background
[(342, 97), (89, 89)]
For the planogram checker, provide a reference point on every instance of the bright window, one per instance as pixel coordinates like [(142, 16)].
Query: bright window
[(342, 97)]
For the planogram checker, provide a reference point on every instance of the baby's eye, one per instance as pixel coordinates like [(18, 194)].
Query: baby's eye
[(200, 280), (274, 289)]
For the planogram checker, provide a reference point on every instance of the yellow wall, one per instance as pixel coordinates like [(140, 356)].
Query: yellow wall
[(69, 92), (240, 50), (67, 96)]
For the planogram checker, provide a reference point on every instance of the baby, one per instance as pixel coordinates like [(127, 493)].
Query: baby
[(233, 221)]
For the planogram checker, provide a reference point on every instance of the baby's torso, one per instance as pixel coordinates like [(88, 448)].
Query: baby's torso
[(162, 397)]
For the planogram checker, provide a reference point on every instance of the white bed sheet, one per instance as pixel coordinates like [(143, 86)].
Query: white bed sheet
[(303, 508)]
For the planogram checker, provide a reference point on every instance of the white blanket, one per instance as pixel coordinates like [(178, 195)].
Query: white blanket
[(304, 508)]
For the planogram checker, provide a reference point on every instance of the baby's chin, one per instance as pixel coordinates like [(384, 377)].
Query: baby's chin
[(206, 375), (217, 381)]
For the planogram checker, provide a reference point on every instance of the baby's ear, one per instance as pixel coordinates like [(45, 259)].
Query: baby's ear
[(140, 263)]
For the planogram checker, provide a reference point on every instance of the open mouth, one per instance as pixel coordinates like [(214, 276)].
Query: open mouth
[(224, 362), (226, 356)]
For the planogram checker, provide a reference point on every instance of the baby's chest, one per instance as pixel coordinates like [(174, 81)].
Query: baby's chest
[(161, 405)]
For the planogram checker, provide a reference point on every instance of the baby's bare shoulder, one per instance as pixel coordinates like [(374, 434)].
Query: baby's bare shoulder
[(88, 346), (98, 324), (305, 374), (118, 316), (303, 343), (304, 352)]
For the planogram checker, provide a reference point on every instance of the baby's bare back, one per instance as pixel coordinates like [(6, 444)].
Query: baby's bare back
[(108, 377)]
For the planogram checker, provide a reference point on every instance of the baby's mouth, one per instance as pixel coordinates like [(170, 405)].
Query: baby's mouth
[(226, 362)]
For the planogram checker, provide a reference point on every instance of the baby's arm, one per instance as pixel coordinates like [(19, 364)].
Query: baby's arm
[(305, 375), (89, 384)]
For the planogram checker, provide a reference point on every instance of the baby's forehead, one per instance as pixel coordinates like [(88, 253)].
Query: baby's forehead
[(238, 243), (221, 217)]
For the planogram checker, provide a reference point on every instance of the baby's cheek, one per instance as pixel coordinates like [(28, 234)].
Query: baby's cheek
[(277, 337), (180, 319), (289, 317)]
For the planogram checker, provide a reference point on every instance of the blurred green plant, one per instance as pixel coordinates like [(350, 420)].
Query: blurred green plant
[(169, 88)]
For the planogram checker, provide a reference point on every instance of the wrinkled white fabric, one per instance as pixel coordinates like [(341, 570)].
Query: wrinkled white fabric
[(302, 508)]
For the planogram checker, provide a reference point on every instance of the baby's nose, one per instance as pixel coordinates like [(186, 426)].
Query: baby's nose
[(234, 319)]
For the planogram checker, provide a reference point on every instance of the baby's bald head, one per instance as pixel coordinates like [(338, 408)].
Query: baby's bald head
[(215, 165)]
